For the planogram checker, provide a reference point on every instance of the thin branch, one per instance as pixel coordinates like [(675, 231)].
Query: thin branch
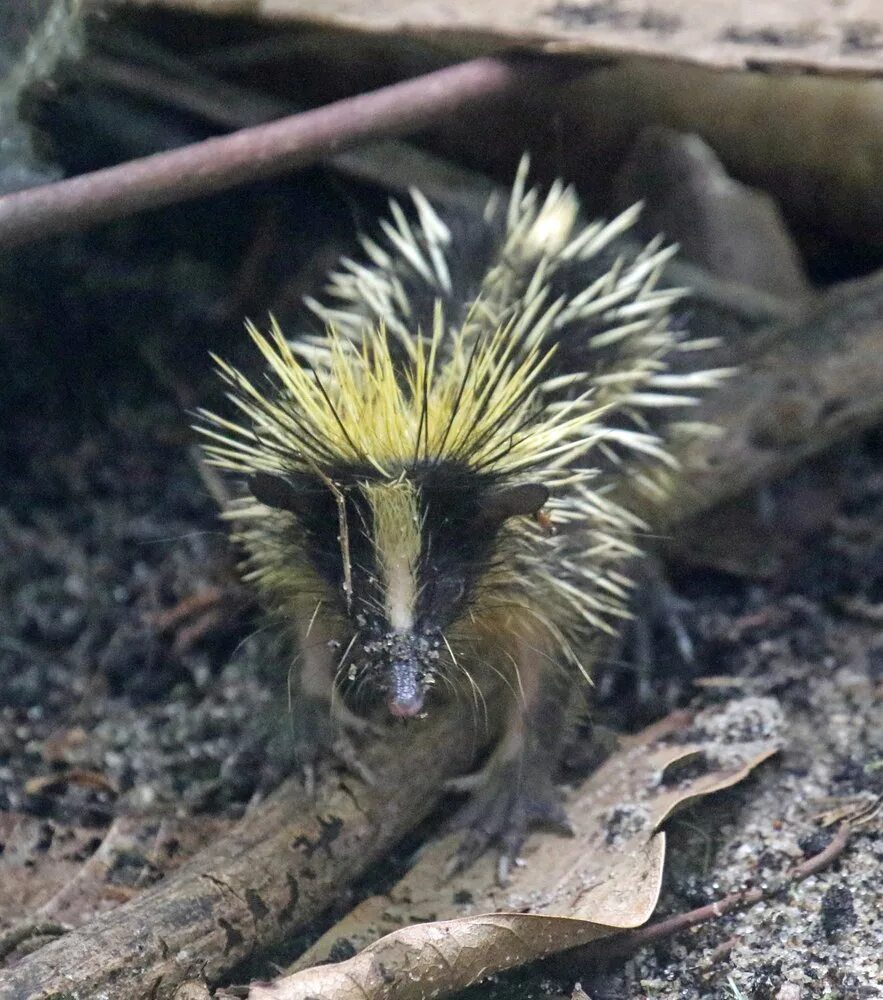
[(251, 153), (627, 944), (826, 857), (227, 105), (141, 67)]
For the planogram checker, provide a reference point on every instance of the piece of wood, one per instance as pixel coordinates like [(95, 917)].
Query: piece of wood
[(801, 388), (223, 162), (796, 35), (389, 163), (280, 868)]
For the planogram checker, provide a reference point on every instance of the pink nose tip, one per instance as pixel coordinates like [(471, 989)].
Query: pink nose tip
[(406, 707)]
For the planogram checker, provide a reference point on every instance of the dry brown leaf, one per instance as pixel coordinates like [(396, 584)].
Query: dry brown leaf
[(570, 891), (811, 35), (856, 810)]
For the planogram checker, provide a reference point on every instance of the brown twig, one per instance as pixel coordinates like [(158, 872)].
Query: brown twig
[(220, 163), (825, 858), (219, 102), (190, 606), (721, 951), (626, 944), (144, 69)]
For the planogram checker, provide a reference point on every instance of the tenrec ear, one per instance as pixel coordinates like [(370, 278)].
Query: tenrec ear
[(281, 493), (522, 500)]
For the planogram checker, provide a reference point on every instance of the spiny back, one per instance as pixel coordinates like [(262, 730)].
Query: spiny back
[(531, 349)]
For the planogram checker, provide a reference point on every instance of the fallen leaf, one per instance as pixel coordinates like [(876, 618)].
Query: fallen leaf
[(604, 879), (815, 35)]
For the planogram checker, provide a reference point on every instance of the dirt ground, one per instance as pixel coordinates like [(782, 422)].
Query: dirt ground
[(137, 678)]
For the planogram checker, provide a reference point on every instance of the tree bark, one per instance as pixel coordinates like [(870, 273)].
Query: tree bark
[(800, 388), (281, 867)]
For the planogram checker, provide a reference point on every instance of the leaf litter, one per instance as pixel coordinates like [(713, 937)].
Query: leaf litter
[(432, 935)]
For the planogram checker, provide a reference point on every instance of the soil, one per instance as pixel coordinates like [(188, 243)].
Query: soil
[(135, 677)]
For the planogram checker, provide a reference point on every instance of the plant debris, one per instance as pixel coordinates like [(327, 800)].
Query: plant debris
[(814, 37), (604, 878)]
